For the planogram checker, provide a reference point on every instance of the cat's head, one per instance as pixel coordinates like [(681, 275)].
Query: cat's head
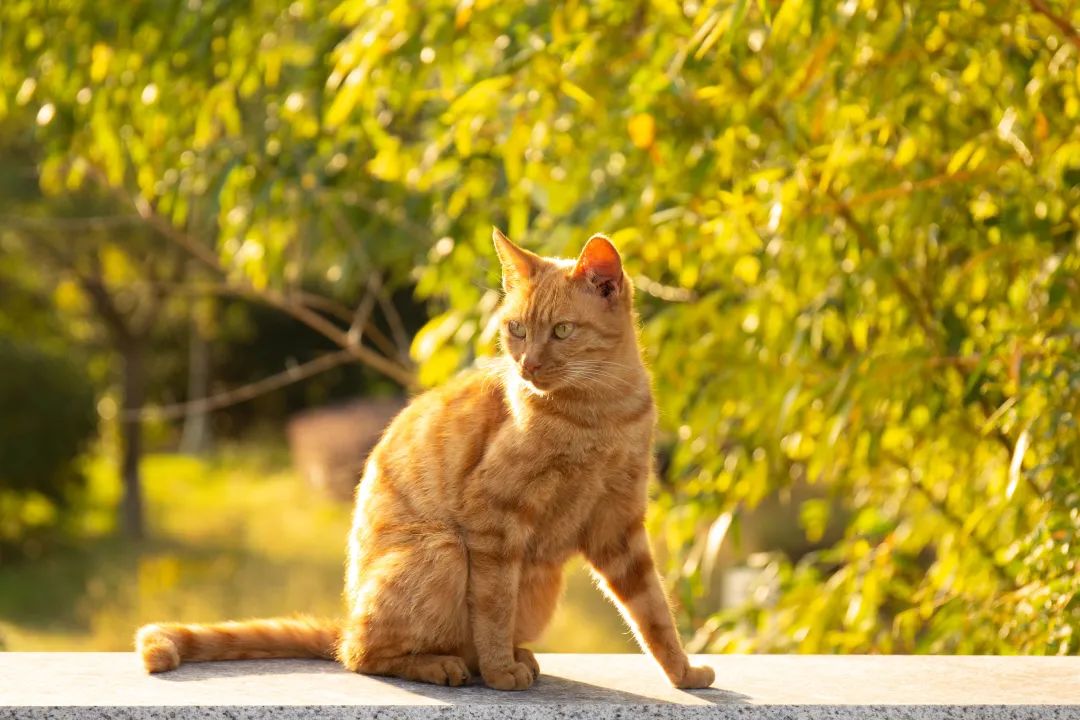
[(567, 324)]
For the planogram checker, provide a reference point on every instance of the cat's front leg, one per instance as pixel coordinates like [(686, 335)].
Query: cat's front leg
[(494, 575), (624, 564)]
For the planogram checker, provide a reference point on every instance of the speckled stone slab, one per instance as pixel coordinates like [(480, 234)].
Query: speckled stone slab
[(44, 686)]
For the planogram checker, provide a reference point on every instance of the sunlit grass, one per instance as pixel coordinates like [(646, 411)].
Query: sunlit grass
[(233, 537)]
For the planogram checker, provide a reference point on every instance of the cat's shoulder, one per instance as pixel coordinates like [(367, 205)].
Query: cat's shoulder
[(478, 389)]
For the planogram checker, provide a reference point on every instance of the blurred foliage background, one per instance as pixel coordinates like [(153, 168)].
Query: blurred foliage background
[(854, 230)]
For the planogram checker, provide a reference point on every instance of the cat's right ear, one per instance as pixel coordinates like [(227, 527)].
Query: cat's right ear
[(518, 264)]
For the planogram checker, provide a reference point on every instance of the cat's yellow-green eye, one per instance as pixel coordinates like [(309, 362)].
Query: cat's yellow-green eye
[(516, 329), (563, 330)]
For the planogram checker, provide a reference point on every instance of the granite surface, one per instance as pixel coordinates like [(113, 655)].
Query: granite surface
[(765, 687)]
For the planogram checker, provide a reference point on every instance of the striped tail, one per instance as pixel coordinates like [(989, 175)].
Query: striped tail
[(164, 646)]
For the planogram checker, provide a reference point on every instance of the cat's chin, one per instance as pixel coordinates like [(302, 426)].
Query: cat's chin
[(535, 387)]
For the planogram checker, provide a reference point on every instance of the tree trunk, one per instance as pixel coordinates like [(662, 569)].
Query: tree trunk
[(196, 434), (134, 396)]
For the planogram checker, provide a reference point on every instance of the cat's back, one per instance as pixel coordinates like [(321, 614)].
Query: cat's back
[(439, 438)]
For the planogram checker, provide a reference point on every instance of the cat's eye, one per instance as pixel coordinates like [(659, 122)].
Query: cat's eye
[(516, 329), (563, 330)]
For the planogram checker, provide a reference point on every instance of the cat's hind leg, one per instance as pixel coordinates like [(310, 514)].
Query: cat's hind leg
[(408, 611), (436, 669)]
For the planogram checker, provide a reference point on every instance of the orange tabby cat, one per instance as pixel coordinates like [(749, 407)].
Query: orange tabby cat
[(481, 490)]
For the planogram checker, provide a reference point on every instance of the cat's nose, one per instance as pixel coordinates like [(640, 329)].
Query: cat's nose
[(530, 366)]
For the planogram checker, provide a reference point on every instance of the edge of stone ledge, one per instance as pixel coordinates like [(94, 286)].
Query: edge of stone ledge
[(561, 711)]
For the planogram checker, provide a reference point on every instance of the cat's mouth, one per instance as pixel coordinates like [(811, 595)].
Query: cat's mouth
[(538, 385)]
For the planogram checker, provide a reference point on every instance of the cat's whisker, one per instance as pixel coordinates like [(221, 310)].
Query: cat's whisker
[(599, 381), (596, 372), (597, 377)]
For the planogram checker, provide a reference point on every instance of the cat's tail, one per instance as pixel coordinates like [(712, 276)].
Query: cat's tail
[(163, 646)]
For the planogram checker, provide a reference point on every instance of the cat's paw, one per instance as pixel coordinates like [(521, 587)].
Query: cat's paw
[(526, 657), (695, 677), (443, 670), (516, 676)]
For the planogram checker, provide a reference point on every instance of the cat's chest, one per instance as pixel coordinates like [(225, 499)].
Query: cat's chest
[(568, 491)]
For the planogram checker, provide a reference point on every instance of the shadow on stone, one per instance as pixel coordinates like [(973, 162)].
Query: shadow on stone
[(719, 696), (548, 690), (553, 690), (198, 671)]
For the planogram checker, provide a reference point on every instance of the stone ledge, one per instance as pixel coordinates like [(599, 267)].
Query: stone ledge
[(765, 687)]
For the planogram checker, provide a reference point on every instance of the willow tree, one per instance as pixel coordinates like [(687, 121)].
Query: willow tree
[(853, 228)]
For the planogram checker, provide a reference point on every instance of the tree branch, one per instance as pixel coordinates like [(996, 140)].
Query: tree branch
[(244, 392), (922, 313), (332, 332), (1063, 24), (271, 298), (97, 222), (103, 302), (361, 317), (945, 511), (393, 319), (93, 285), (310, 300), (905, 188), (197, 250)]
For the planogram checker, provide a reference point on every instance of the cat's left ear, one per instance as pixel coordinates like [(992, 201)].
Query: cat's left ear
[(600, 266)]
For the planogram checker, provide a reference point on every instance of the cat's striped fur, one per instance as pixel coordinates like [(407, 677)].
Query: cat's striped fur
[(481, 490)]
